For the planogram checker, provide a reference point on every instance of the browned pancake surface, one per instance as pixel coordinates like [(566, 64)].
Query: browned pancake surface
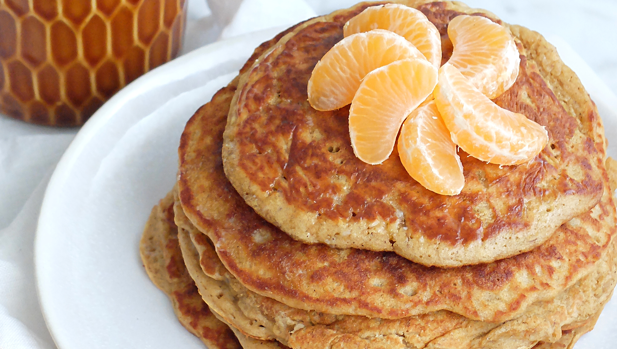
[(552, 320), (295, 165), (349, 281)]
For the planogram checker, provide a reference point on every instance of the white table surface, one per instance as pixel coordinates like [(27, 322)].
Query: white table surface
[(28, 153)]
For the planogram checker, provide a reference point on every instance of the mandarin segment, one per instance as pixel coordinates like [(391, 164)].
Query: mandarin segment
[(482, 128), (338, 74), (428, 153), (485, 53), (384, 99), (402, 20)]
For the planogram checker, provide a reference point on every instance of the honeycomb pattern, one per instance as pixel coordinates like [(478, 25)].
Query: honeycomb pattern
[(60, 60)]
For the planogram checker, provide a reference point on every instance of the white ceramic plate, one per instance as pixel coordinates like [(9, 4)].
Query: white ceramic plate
[(92, 286)]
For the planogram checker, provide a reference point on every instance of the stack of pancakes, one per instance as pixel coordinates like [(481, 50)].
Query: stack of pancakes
[(276, 235)]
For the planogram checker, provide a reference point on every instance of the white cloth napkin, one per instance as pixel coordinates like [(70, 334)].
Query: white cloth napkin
[(21, 321)]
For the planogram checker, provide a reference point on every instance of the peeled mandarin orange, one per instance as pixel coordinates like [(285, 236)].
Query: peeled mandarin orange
[(383, 101), (336, 78), (428, 153), (485, 53), (402, 20), (482, 128)]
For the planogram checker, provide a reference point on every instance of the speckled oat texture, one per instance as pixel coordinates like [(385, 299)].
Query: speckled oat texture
[(161, 256), (295, 166), (548, 323)]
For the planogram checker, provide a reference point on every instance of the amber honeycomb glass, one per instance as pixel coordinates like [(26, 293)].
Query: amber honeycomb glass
[(61, 59)]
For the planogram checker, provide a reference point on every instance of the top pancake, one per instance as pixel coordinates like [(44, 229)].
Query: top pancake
[(377, 284), (295, 166)]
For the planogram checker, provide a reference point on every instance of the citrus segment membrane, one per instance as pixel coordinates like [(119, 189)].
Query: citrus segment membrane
[(385, 98), (485, 53), (336, 78), (402, 20), (482, 128), (428, 153)]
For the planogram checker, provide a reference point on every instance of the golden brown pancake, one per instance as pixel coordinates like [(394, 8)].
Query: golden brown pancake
[(543, 321), (295, 166), (251, 343), (570, 336), (611, 167), (162, 258), (357, 282)]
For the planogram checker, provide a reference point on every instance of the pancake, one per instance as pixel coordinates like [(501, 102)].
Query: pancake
[(251, 343), (159, 249), (611, 167), (570, 336), (544, 321), (356, 282), (162, 259), (296, 168)]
